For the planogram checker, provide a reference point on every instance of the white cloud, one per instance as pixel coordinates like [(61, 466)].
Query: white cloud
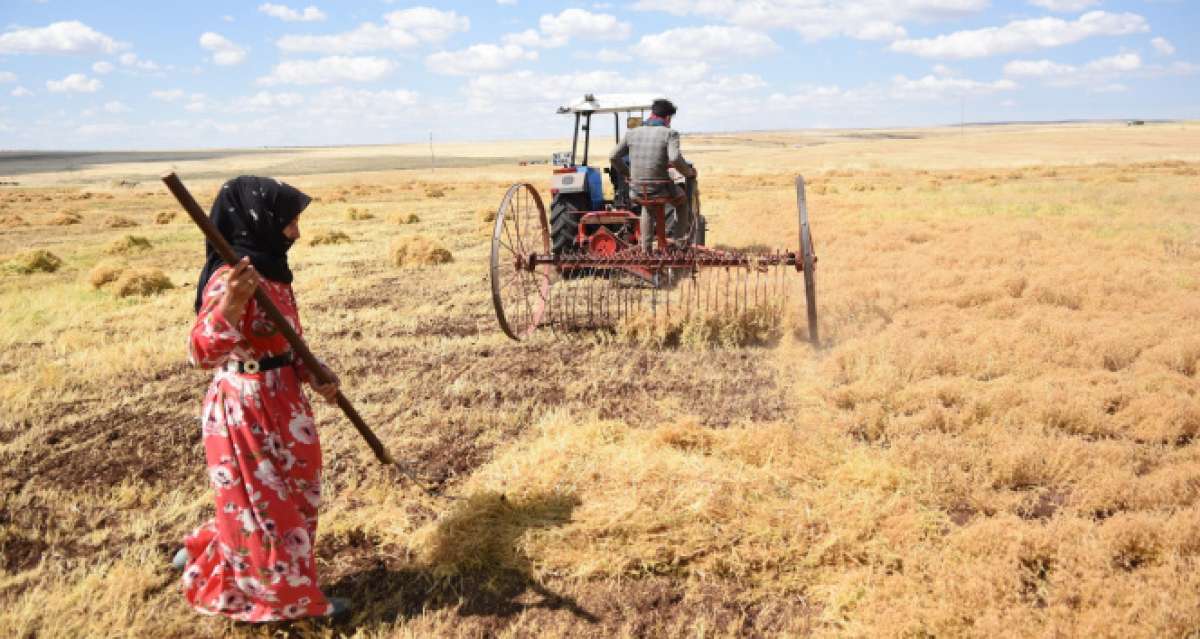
[(72, 37), (328, 70), (1064, 6), (578, 23), (227, 18), (74, 83), (288, 14), (1023, 35), (507, 2), (225, 53), (357, 102), (704, 43), (132, 61), (267, 101), (1097, 75), (7, 76), (197, 103), (556, 30), (402, 30), (821, 19), (116, 106), (1163, 46), (167, 95), (102, 67), (21, 92), (611, 55), (478, 58), (932, 87)]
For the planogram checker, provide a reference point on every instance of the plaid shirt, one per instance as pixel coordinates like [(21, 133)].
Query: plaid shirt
[(651, 149)]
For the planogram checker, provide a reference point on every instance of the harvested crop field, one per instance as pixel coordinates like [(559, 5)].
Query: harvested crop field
[(996, 437)]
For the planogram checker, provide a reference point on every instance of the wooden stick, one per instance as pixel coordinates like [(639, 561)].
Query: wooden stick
[(298, 346)]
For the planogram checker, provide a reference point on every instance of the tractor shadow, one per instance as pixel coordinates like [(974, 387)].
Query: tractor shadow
[(471, 565)]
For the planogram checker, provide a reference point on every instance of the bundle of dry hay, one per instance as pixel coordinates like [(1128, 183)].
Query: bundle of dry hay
[(105, 273), (407, 218), (164, 217), (118, 222), (419, 251), (66, 218), (38, 261), (128, 244), (142, 281), (758, 326), (487, 215), (11, 220), (356, 214), (328, 237)]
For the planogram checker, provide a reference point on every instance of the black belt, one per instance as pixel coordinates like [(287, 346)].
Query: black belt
[(258, 366)]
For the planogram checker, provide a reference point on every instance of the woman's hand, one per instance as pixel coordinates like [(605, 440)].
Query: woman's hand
[(240, 283), (328, 391)]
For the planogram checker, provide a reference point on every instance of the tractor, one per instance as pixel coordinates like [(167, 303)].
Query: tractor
[(582, 220)]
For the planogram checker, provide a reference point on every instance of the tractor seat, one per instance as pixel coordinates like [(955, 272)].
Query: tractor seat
[(652, 185)]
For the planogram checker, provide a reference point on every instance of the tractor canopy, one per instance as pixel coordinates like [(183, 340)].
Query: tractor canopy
[(634, 106)]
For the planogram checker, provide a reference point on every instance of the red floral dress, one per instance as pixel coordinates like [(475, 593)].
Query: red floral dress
[(254, 560)]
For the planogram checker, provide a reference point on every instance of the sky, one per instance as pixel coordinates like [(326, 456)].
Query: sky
[(153, 75)]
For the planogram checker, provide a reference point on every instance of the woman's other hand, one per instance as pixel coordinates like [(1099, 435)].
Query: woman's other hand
[(328, 391), (240, 283)]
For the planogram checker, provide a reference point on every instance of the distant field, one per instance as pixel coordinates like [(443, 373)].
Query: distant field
[(996, 437)]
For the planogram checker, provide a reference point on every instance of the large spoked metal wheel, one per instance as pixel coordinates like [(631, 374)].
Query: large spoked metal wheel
[(519, 293), (808, 261)]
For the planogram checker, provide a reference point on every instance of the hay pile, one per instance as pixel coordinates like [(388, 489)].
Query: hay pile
[(142, 281), (12, 220), (128, 244), (164, 217), (356, 214), (118, 222), (328, 237), (126, 281), (407, 218), (487, 215), (38, 261), (66, 218), (419, 251)]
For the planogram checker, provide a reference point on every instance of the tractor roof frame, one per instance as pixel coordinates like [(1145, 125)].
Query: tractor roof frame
[(589, 106)]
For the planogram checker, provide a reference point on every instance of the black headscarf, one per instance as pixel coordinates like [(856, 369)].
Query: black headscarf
[(251, 213)]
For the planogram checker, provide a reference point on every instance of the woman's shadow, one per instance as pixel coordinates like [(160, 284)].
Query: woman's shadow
[(471, 562)]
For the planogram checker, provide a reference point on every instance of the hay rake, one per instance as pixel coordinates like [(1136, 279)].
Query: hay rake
[(599, 285)]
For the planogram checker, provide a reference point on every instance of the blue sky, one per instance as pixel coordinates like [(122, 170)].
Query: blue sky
[(136, 75)]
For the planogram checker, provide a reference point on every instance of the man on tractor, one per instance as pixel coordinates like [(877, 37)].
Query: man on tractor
[(651, 149)]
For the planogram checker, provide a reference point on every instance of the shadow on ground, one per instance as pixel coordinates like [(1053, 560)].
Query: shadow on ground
[(471, 564)]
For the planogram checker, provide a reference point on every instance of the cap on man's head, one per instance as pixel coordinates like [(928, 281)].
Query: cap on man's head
[(662, 108)]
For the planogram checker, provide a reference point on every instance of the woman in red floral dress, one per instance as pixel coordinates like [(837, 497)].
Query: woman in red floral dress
[(254, 560)]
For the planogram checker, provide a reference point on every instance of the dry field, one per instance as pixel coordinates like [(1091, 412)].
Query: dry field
[(997, 435)]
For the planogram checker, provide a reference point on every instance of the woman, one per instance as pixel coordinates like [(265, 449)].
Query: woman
[(254, 561)]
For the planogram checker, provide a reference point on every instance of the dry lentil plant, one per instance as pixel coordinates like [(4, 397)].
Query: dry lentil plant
[(997, 436)]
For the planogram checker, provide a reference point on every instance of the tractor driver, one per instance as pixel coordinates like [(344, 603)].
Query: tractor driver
[(651, 149)]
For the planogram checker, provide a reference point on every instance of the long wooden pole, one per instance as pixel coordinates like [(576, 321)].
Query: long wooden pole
[(298, 346)]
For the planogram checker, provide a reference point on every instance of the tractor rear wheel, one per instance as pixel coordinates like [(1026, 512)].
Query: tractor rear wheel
[(564, 226)]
